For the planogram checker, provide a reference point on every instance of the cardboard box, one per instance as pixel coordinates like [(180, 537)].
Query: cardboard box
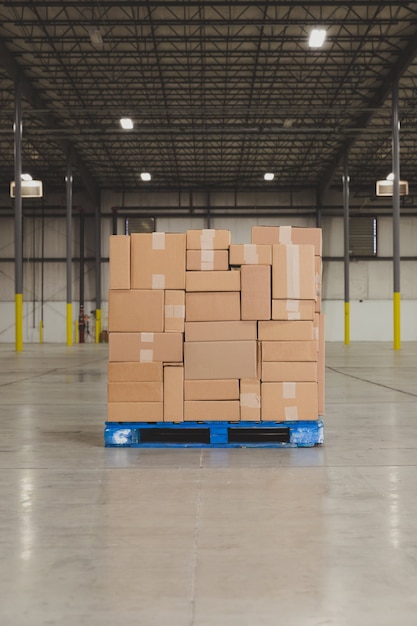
[(296, 310), (174, 311), (317, 308), (135, 412), (211, 389), (157, 261), (212, 306), (289, 401), (321, 363), (318, 272), (250, 400), (136, 310), (211, 410), (173, 393), (220, 331), (285, 331), (207, 260), (293, 273), (119, 266), (208, 239), (289, 351), (288, 235), (255, 292), (146, 347), (250, 254), (296, 372), (213, 281), (211, 360), (131, 372), (135, 392)]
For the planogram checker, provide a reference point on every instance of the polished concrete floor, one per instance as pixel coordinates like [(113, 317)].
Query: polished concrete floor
[(301, 537)]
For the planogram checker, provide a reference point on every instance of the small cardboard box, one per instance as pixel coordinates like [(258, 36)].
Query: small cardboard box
[(119, 258), (285, 331), (131, 372), (211, 360), (256, 292), (220, 331), (146, 347), (289, 351), (296, 310), (136, 310), (157, 261), (212, 306), (211, 389), (213, 281), (211, 410), (289, 401), (135, 412), (208, 239), (208, 260), (293, 275), (173, 393), (275, 372), (174, 311), (135, 392), (250, 254), (288, 235), (250, 400)]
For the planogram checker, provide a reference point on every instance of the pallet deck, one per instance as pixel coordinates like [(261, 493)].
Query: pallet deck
[(299, 434)]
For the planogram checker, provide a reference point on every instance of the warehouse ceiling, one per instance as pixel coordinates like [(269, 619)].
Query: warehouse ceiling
[(220, 92)]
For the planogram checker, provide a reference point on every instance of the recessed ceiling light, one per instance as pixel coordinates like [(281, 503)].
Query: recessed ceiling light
[(269, 176), (126, 123), (317, 38), (145, 176), (26, 177)]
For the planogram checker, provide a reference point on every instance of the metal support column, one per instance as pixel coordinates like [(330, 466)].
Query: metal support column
[(396, 213), (114, 220), (346, 182), (208, 217), (319, 204), (81, 315), (18, 218), (68, 181), (97, 230)]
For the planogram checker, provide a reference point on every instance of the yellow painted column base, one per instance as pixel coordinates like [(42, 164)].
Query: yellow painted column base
[(41, 331), (347, 323), (98, 325), (69, 324), (19, 321), (397, 320)]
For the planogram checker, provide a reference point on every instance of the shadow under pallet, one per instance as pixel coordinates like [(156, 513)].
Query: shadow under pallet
[(299, 434)]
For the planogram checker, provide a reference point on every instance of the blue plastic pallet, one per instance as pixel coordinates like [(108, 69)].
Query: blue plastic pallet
[(301, 434)]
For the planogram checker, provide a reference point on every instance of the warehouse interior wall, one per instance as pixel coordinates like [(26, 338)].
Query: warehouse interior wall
[(371, 281)]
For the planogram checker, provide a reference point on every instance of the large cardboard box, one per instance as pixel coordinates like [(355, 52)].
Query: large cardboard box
[(288, 235), (173, 393), (146, 347), (212, 306), (293, 310), (211, 360), (220, 331), (174, 311), (157, 261), (293, 275), (211, 410), (130, 372), (213, 281), (225, 389), (250, 400), (292, 371), (255, 292), (135, 392), (135, 412), (119, 272), (321, 363), (289, 401), (285, 331), (136, 310), (207, 260), (208, 239), (289, 351), (250, 254)]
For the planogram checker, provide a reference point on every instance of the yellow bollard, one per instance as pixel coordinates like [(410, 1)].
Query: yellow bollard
[(347, 323), (98, 325), (397, 321), (69, 324), (19, 321), (41, 331)]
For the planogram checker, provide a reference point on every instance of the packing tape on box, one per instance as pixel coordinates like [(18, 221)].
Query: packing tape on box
[(158, 281), (250, 400), (291, 413), (289, 390), (207, 259), (158, 241), (207, 238), (179, 311), (146, 356), (293, 310), (285, 234), (316, 333), (250, 254), (293, 272), (146, 337)]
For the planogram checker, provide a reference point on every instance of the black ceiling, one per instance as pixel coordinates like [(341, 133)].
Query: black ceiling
[(220, 91)]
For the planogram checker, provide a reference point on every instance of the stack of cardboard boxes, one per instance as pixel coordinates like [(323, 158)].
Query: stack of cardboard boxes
[(203, 330)]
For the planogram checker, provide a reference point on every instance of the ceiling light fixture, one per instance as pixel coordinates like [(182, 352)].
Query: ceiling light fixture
[(126, 123), (317, 38), (26, 177), (269, 176), (96, 37), (146, 177), (391, 176)]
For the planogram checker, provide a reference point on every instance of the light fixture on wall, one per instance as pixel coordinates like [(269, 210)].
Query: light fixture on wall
[(29, 188)]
